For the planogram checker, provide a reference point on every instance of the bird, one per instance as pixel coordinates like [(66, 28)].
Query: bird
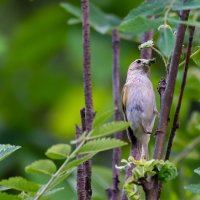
[(139, 104)]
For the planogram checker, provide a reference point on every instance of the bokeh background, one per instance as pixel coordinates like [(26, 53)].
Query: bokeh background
[(41, 90)]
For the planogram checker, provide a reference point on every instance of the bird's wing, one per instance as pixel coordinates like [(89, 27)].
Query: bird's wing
[(131, 136), (124, 98)]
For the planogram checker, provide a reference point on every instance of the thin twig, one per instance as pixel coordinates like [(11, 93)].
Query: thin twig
[(176, 116), (114, 191), (87, 87)]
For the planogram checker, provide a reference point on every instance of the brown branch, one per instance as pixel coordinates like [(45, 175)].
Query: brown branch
[(166, 100), (176, 116), (87, 87), (114, 191)]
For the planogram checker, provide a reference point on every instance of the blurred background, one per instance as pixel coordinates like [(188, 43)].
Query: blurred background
[(41, 90)]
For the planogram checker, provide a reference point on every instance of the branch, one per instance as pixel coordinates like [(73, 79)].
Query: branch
[(114, 191), (176, 116), (166, 100), (87, 87)]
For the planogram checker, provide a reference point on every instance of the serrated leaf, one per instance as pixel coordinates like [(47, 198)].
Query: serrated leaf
[(2, 188), (77, 162), (5, 196), (6, 150), (139, 24), (166, 41), (108, 129), (99, 21), (58, 151), (102, 144), (194, 188), (46, 167), (21, 184), (189, 5), (197, 171), (147, 9), (101, 117)]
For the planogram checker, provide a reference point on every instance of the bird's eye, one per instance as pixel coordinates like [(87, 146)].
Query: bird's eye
[(138, 61)]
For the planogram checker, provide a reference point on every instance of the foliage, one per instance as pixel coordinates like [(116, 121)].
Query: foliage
[(143, 171), (41, 81), (91, 144)]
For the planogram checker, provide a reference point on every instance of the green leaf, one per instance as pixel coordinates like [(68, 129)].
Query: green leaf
[(197, 171), (5, 196), (108, 129), (166, 41), (77, 162), (194, 188), (46, 167), (196, 57), (21, 184), (101, 117), (188, 23), (139, 24), (73, 21), (102, 144), (52, 192), (147, 9), (189, 5), (99, 21), (6, 150), (58, 151)]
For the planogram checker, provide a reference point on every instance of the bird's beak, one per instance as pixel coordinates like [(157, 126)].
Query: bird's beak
[(149, 62)]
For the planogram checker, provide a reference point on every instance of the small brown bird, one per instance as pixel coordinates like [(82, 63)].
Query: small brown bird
[(139, 104)]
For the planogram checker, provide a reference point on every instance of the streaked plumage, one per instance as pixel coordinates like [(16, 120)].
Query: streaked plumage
[(139, 104)]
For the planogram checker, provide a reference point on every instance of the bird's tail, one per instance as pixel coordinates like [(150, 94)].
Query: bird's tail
[(139, 149)]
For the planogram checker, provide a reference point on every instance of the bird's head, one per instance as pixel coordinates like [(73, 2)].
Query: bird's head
[(141, 65)]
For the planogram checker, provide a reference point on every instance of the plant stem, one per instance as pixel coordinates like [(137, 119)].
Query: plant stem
[(192, 55), (114, 191), (168, 10), (81, 194), (178, 107), (44, 188), (87, 87), (163, 58)]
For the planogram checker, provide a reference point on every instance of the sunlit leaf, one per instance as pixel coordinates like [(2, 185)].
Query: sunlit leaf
[(46, 167), (108, 129), (21, 184), (101, 117), (58, 151), (77, 162), (102, 144), (6, 150), (5, 196)]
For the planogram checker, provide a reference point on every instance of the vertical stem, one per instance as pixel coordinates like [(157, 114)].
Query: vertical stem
[(87, 87), (176, 116), (166, 100), (80, 172), (113, 193)]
